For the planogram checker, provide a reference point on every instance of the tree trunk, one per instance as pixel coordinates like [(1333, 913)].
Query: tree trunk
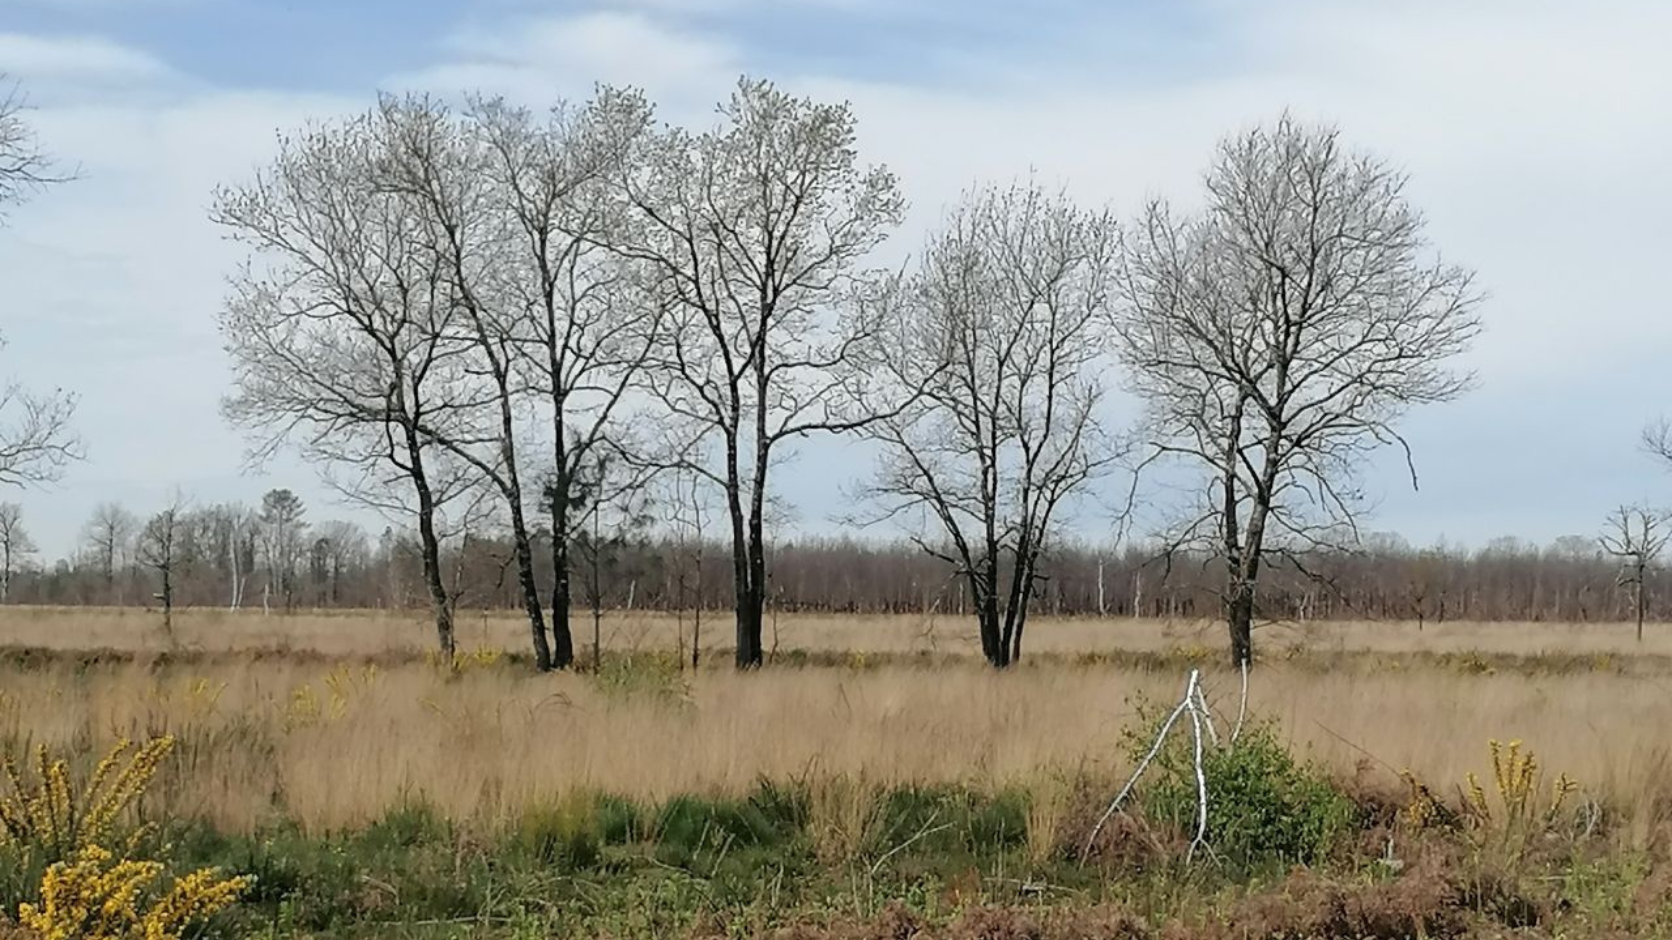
[(696, 614), (994, 645), (563, 640), (168, 601), (530, 592), (1239, 617), (749, 603), (430, 549), (1642, 593), (751, 609)]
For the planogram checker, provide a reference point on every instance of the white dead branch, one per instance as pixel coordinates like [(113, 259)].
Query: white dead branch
[(1195, 704)]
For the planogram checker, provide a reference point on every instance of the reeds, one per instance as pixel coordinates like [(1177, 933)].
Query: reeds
[(332, 748)]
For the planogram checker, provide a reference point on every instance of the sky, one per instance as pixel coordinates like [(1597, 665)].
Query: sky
[(1537, 136)]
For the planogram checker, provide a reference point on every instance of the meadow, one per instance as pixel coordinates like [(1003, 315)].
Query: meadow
[(875, 777)]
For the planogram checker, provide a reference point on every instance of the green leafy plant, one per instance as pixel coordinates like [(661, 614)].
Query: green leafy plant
[(1265, 808)]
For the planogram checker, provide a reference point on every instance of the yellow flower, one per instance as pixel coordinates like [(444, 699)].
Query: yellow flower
[(94, 896), (44, 812)]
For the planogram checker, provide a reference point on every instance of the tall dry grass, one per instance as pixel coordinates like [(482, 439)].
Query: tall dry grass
[(332, 747), (351, 633)]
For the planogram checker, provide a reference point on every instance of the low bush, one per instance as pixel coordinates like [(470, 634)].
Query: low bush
[(1265, 809)]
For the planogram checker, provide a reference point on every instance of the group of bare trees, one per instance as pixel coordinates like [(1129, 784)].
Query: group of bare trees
[(200, 555), (470, 314)]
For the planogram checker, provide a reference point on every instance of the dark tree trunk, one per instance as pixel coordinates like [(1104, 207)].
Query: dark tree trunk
[(519, 524), (563, 639), (168, 600), (1239, 617), (430, 548), (751, 608), (995, 645), (696, 631), (530, 591), (749, 595)]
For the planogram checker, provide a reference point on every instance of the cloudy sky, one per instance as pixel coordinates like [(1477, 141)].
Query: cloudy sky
[(1538, 136)]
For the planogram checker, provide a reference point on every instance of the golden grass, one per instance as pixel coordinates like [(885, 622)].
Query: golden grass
[(334, 747), (360, 633)]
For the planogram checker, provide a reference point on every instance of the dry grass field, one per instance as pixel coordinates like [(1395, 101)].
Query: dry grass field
[(335, 744), (358, 781), (372, 633)]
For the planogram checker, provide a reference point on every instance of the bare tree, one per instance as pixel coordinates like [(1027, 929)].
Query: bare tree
[(995, 346), (109, 536), (1276, 339), (1636, 535), (755, 231), (343, 546), (585, 321), (344, 330), (282, 529), (15, 543), (159, 549), (518, 211)]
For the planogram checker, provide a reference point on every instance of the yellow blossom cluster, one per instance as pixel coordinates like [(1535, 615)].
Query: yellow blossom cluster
[(42, 811), (96, 896)]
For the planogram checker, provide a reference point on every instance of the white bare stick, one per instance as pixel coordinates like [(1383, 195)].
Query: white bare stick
[(1201, 793), (1201, 705), (1242, 709), (1143, 765)]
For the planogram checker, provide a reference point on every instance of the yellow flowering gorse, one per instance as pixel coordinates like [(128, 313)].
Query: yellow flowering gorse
[(96, 896), (342, 686), (42, 812)]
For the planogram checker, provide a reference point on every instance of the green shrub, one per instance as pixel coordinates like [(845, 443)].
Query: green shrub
[(1265, 808)]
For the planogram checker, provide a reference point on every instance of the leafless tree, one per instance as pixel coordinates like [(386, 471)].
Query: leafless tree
[(342, 546), (231, 532), (995, 347), (586, 321), (1277, 338), (15, 543), (343, 329), (1636, 535), (159, 549), (755, 231), (109, 536), (282, 530), (519, 211)]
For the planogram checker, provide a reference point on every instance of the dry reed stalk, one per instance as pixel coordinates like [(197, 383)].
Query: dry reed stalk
[(483, 745)]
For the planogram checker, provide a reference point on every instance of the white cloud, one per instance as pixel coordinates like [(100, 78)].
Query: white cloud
[(46, 59), (540, 60)]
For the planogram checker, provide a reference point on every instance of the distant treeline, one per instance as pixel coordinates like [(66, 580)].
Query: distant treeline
[(235, 556)]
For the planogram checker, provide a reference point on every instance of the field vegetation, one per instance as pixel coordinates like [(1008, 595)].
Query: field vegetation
[(851, 789)]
